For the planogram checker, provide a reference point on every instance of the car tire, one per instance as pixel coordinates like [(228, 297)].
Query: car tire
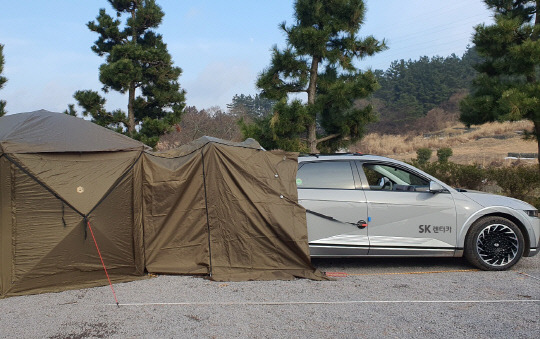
[(494, 244)]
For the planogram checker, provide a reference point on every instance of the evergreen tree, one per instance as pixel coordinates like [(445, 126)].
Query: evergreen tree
[(255, 107), (410, 89), (507, 87), (319, 58), (3, 80), (137, 63)]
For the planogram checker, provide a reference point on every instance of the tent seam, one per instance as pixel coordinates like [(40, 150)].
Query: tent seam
[(207, 216)]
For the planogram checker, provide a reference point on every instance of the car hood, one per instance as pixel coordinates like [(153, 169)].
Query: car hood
[(486, 200)]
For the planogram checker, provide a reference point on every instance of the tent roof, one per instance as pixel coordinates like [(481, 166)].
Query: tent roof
[(44, 131), (201, 142)]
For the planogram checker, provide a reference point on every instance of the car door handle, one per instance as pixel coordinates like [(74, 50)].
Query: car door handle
[(361, 224)]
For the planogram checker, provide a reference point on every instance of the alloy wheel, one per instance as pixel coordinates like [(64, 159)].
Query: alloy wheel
[(497, 245)]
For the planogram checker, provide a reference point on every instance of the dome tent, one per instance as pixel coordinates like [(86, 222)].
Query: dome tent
[(57, 173)]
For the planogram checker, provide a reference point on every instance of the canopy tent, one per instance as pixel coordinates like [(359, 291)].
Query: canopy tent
[(226, 210), (57, 173)]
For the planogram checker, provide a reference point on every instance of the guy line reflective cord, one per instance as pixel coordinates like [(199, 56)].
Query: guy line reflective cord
[(104, 268)]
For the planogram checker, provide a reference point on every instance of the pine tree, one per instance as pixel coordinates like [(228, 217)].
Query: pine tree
[(410, 89), (254, 107), (3, 80), (507, 87), (137, 63), (322, 47)]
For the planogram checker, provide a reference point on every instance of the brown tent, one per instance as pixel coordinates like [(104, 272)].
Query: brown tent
[(57, 173), (227, 210)]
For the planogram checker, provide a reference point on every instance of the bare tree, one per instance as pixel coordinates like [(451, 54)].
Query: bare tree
[(195, 124)]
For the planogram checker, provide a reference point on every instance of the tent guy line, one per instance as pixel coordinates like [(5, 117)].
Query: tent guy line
[(102, 263), (345, 302)]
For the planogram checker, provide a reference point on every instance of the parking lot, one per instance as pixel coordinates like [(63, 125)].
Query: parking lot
[(405, 298)]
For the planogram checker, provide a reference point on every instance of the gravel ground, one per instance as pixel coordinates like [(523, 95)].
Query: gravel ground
[(369, 298)]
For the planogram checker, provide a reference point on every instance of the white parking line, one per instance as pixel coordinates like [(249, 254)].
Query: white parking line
[(270, 303)]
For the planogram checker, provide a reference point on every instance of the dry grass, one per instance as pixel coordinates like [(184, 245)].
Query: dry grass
[(482, 144)]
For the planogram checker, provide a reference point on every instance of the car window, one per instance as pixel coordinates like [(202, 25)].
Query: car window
[(385, 177), (325, 174)]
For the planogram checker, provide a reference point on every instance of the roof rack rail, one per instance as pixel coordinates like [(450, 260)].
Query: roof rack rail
[(319, 154)]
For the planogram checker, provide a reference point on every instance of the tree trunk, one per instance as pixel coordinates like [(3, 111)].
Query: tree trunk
[(536, 122), (537, 130), (131, 91), (312, 88), (131, 110)]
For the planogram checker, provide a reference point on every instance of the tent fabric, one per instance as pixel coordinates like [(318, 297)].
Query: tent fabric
[(51, 185), (213, 207), (227, 210), (197, 144), (43, 131)]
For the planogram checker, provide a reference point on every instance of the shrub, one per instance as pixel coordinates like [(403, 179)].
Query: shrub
[(471, 177), (423, 155), (463, 176), (517, 182), (443, 154), (520, 181)]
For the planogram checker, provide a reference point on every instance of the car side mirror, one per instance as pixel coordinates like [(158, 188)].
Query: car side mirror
[(435, 187)]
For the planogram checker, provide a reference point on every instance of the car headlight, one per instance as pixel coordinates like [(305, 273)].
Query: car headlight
[(532, 213)]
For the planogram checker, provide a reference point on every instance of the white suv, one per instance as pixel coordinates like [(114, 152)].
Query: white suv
[(364, 205)]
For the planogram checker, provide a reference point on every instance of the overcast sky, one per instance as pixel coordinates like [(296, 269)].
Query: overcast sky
[(220, 45)]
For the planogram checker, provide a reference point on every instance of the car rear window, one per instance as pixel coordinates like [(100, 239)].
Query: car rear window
[(325, 174)]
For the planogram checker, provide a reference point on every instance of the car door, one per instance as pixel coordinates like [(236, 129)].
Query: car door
[(405, 218), (336, 208)]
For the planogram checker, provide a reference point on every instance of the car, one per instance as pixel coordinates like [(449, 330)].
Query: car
[(372, 206)]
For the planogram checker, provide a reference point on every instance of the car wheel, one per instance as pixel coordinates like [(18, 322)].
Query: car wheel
[(494, 244)]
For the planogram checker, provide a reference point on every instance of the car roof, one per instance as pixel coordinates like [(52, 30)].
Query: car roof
[(346, 156)]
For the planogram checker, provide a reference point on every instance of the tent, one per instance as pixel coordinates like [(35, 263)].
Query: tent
[(225, 210), (57, 174)]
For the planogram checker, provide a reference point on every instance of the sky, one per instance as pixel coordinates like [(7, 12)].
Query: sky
[(220, 45)]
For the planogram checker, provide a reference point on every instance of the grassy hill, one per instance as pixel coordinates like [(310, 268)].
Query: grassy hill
[(487, 145)]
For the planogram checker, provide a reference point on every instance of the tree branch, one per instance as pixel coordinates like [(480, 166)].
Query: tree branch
[(328, 137)]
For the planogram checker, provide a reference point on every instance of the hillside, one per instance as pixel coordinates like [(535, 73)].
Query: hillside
[(487, 144)]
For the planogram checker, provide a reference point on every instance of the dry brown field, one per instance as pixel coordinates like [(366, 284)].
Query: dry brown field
[(484, 144)]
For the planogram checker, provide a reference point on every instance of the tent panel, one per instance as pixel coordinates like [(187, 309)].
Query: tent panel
[(114, 228), (256, 224), (50, 249), (39, 224), (5, 225), (80, 179), (175, 227)]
